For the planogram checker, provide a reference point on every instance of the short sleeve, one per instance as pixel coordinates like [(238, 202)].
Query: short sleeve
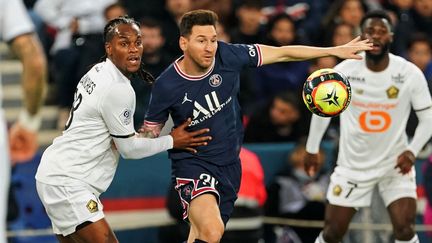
[(240, 55), (117, 108), (14, 20)]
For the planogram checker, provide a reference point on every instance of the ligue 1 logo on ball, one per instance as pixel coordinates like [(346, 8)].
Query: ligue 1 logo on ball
[(215, 80)]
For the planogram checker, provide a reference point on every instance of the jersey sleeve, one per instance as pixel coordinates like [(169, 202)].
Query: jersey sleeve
[(158, 110), (420, 95), (117, 108), (14, 20), (241, 55)]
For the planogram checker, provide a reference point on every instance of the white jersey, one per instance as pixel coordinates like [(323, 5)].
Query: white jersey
[(373, 126), (103, 108)]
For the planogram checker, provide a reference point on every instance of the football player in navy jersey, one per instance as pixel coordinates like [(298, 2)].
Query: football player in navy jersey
[(204, 84)]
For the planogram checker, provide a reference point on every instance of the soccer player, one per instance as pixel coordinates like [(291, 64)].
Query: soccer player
[(17, 30), (204, 84), (81, 163), (373, 148)]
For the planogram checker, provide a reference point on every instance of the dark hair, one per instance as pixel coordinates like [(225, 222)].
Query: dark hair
[(112, 6), (150, 23), (197, 17), (419, 37), (109, 32), (288, 97), (273, 21), (381, 14)]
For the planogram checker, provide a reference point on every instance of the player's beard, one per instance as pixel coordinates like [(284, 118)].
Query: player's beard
[(377, 57)]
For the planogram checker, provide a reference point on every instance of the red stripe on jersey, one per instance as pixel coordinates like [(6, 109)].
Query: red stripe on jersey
[(260, 61)]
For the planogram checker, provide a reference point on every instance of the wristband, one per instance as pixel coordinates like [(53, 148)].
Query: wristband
[(29, 122)]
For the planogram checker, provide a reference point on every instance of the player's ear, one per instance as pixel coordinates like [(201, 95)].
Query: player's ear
[(183, 43), (108, 48)]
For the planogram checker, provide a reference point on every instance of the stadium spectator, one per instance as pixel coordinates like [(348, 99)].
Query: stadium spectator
[(277, 77), (77, 45), (281, 120), (17, 30), (295, 195), (170, 24)]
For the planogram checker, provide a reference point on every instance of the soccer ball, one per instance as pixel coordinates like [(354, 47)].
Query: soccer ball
[(327, 92)]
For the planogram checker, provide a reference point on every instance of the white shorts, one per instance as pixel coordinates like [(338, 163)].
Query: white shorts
[(349, 188), (69, 206)]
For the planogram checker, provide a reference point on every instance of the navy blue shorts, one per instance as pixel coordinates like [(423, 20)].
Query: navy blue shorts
[(195, 177)]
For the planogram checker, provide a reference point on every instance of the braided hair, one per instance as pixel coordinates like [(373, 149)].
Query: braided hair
[(109, 33)]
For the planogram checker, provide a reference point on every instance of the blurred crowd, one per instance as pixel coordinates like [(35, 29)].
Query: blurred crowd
[(71, 33)]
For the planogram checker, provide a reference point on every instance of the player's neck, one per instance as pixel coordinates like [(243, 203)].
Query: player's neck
[(377, 64), (189, 67)]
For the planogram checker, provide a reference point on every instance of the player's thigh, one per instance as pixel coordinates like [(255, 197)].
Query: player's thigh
[(204, 212), (337, 219), (394, 186), (69, 207), (346, 190), (195, 178), (97, 232), (399, 193), (403, 212)]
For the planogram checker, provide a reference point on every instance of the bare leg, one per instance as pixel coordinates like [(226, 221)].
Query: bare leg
[(336, 222), (206, 222), (97, 232), (402, 213)]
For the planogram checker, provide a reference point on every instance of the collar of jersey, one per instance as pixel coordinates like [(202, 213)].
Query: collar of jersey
[(116, 70), (190, 77)]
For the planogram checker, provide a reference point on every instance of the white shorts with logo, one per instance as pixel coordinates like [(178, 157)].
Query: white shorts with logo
[(353, 188), (69, 206)]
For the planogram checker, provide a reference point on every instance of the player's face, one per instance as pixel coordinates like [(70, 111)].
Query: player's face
[(378, 31), (125, 48), (200, 46), (283, 113)]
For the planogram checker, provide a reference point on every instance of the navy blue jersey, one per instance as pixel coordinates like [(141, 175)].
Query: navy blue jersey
[(210, 100)]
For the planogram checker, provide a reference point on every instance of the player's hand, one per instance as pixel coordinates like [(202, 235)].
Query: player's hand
[(405, 162), (188, 140), (23, 143), (350, 50), (311, 163)]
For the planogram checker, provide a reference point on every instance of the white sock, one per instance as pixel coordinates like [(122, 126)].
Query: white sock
[(415, 239), (320, 238)]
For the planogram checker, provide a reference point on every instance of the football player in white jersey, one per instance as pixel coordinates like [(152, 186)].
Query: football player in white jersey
[(80, 164), (374, 149), (17, 30)]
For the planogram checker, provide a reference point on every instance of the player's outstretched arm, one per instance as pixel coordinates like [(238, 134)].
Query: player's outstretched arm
[(271, 54), (188, 140)]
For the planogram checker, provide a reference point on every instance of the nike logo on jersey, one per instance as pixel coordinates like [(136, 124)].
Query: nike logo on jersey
[(185, 99)]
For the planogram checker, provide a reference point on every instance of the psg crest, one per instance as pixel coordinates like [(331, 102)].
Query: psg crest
[(215, 80)]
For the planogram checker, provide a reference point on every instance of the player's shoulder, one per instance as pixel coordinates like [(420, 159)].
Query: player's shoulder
[(170, 80), (350, 64), (403, 64)]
